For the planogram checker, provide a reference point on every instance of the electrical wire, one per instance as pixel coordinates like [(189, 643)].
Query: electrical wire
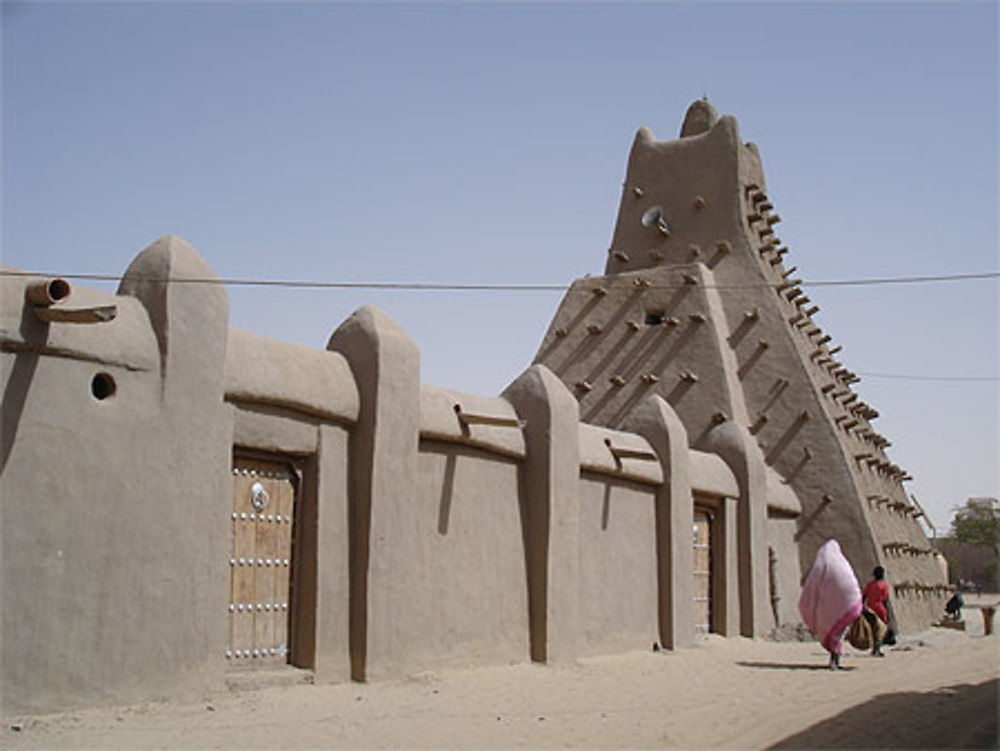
[(904, 279), (453, 287), (902, 377), (458, 287)]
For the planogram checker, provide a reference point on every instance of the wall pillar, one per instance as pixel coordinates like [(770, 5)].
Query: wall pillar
[(106, 497), (332, 580), (656, 421), (383, 470), (550, 510), (737, 448)]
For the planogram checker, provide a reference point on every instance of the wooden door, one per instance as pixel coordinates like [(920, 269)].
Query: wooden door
[(702, 571), (260, 563)]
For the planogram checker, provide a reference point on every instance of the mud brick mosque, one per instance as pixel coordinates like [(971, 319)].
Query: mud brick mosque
[(184, 503)]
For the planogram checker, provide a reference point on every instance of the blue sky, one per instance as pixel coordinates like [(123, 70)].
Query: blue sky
[(464, 143)]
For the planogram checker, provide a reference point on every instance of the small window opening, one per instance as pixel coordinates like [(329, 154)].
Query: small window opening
[(103, 386), (654, 317)]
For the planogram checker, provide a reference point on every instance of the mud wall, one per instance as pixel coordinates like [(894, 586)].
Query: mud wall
[(618, 582), (115, 442), (433, 528), (464, 600)]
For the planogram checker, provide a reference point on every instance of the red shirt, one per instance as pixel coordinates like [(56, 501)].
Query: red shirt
[(876, 594)]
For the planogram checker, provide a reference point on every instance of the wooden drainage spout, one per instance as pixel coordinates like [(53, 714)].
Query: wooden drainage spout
[(45, 295), (48, 292), (471, 418)]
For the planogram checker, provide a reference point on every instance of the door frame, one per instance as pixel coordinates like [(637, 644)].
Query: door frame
[(709, 515), (302, 574)]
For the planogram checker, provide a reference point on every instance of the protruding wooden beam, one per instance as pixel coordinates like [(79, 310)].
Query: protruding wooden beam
[(473, 418)]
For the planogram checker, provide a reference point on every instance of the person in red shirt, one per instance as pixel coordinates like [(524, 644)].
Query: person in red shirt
[(876, 598)]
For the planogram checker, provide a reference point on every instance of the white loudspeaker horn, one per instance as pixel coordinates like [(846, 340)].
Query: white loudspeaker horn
[(653, 217)]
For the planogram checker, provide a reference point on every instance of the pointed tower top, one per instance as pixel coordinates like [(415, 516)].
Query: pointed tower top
[(700, 117)]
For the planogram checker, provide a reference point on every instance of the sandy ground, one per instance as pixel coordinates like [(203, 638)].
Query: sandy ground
[(935, 690)]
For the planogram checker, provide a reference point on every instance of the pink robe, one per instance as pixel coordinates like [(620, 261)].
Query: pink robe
[(830, 599)]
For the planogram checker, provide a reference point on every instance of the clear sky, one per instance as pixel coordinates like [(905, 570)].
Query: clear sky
[(465, 143)]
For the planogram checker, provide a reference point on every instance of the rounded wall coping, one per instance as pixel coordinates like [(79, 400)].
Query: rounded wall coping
[(780, 495), (439, 420), (262, 370), (596, 455), (189, 320), (710, 475)]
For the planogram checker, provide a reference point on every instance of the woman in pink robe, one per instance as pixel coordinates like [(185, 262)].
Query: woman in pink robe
[(830, 599)]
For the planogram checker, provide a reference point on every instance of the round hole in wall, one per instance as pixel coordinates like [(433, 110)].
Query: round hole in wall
[(103, 386)]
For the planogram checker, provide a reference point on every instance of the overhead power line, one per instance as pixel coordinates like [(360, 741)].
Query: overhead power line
[(903, 279), (902, 377), (484, 287), (456, 287)]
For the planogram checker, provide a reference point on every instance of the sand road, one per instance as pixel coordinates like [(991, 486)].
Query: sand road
[(935, 690)]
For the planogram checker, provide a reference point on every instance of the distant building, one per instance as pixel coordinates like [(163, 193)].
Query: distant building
[(183, 502), (973, 566)]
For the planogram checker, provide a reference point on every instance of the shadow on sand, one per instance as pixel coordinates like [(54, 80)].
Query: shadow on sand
[(963, 716), (791, 666)]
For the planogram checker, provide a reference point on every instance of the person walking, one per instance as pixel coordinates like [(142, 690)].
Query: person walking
[(830, 599), (876, 611)]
